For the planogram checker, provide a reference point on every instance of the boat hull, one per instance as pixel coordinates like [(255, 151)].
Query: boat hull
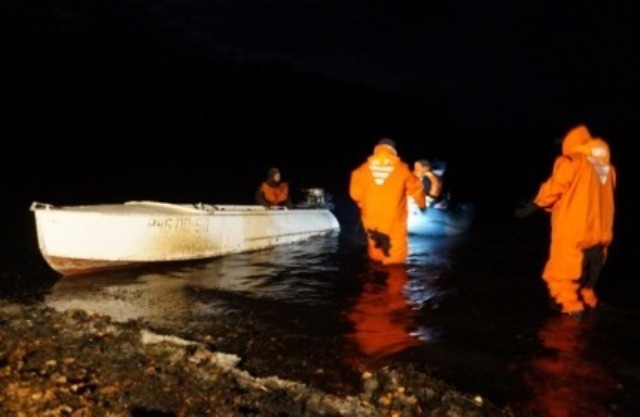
[(440, 222), (82, 239)]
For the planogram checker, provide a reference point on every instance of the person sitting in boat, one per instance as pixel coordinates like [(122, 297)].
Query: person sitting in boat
[(431, 182), (273, 192)]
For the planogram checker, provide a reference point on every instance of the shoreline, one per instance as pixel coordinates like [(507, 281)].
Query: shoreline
[(84, 364)]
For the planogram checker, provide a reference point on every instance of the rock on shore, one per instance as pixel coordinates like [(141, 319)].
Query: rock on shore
[(83, 364)]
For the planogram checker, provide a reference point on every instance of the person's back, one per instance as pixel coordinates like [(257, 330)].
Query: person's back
[(273, 192), (579, 194), (380, 187)]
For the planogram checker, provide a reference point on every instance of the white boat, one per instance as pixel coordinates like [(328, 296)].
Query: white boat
[(87, 238), (453, 220)]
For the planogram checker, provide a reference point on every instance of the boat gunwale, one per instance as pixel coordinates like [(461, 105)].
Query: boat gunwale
[(162, 208)]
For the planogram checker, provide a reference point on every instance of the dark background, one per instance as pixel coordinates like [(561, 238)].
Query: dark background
[(192, 101)]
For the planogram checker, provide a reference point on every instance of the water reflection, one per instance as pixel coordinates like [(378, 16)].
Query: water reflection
[(451, 308), (158, 298), (429, 267), (384, 316), (382, 301), (381, 316), (433, 251), (172, 295), (565, 381)]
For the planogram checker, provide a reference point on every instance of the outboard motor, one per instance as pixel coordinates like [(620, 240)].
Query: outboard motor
[(316, 198)]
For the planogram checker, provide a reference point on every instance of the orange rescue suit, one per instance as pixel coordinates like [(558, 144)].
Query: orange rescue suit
[(380, 187), (580, 196), (276, 194)]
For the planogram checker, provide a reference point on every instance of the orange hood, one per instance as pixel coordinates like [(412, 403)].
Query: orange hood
[(597, 150), (384, 155), (576, 137)]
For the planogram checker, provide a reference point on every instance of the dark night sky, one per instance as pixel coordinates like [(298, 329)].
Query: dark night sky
[(193, 100)]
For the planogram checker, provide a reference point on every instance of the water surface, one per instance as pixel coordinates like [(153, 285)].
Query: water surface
[(470, 309)]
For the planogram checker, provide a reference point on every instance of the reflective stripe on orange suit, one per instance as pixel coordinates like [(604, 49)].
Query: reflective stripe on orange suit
[(379, 187), (275, 195), (579, 195)]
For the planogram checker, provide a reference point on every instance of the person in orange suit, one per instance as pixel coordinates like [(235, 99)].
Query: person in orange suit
[(579, 194), (273, 192), (380, 187)]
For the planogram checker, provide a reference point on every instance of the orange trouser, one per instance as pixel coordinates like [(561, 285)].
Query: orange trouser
[(571, 275)]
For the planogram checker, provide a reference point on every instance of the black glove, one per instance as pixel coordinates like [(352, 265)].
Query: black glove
[(525, 209), (382, 241)]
